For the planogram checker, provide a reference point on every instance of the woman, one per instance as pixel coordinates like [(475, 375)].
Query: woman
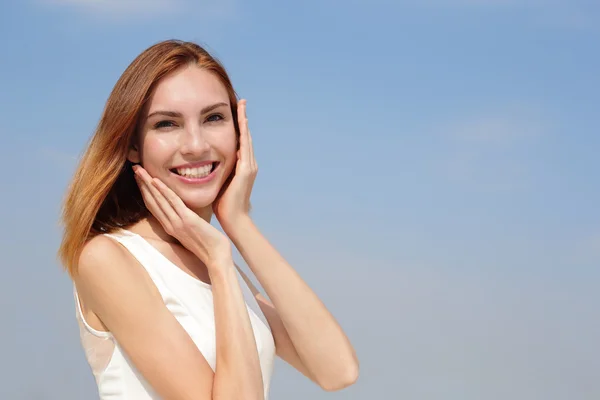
[(163, 312)]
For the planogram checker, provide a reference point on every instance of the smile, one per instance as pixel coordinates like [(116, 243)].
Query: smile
[(196, 174)]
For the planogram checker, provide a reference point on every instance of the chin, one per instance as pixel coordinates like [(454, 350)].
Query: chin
[(199, 200)]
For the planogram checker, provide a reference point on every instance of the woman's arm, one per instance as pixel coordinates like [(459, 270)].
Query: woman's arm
[(113, 285), (238, 372), (306, 334)]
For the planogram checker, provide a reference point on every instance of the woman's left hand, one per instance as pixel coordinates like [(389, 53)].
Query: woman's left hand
[(234, 202)]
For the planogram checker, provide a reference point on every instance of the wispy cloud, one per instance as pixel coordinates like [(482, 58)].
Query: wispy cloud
[(120, 7), (494, 3), (489, 150), (572, 14), (57, 157), (522, 4), (501, 129), (131, 9)]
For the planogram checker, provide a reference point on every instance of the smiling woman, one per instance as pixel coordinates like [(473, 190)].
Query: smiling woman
[(164, 312)]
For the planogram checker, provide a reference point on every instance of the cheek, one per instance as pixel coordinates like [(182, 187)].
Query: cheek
[(229, 151), (155, 153)]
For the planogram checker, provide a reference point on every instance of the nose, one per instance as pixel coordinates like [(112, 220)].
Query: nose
[(193, 141)]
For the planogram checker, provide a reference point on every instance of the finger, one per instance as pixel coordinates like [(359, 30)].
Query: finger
[(160, 201), (149, 200), (177, 204), (243, 123), (249, 146), (175, 201), (251, 150)]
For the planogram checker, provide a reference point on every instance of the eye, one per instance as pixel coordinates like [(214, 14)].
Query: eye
[(164, 124), (215, 118)]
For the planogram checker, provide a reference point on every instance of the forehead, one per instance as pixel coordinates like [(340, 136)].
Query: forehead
[(188, 89)]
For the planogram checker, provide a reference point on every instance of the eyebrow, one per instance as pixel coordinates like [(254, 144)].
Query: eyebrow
[(174, 114)]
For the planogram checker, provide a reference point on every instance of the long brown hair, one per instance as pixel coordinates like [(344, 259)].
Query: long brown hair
[(103, 195)]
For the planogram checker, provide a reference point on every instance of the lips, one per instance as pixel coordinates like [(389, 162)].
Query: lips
[(195, 170)]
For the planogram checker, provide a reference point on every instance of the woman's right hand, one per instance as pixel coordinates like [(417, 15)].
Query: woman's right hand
[(210, 245)]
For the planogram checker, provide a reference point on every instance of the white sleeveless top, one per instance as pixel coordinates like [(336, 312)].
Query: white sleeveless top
[(190, 301)]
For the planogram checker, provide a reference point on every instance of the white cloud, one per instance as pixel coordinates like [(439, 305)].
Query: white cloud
[(506, 128), (494, 3), (490, 150), (522, 4), (121, 9), (57, 157), (570, 14)]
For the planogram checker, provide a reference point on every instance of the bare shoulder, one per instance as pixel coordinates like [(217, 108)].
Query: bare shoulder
[(103, 258), (95, 246), (102, 255), (106, 272), (106, 269), (120, 292)]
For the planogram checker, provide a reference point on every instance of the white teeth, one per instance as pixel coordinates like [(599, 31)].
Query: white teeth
[(199, 172)]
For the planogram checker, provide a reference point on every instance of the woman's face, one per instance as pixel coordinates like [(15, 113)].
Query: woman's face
[(187, 136)]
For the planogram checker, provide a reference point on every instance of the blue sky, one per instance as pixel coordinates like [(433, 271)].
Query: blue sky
[(430, 168)]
